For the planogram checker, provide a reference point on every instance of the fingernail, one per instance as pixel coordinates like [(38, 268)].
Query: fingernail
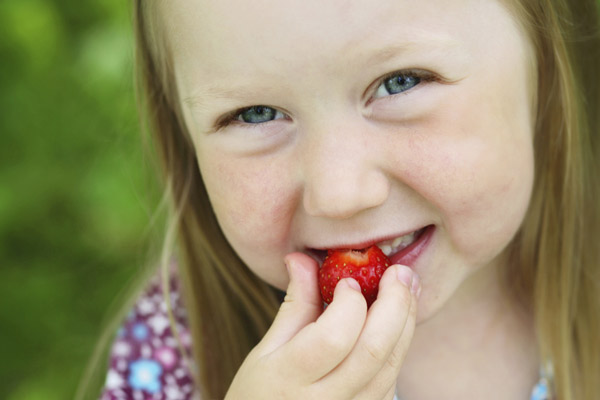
[(353, 284), (416, 286), (405, 275)]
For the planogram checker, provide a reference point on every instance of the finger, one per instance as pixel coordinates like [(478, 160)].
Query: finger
[(301, 306), (323, 345), (388, 374), (391, 393), (369, 395), (386, 335)]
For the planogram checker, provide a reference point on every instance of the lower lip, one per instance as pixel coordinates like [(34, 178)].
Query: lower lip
[(409, 255)]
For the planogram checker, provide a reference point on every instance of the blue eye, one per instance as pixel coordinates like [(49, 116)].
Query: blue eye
[(397, 83), (258, 114)]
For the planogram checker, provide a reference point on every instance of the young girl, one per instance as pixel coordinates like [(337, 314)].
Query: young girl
[(286, 128)]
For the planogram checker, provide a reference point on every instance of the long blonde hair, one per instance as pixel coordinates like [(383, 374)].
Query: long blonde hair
[(556, 257), (555, 268), (229, 308)]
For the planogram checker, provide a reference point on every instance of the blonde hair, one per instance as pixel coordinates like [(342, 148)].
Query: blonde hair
[(556, 257), (555, 262), (229, 308)]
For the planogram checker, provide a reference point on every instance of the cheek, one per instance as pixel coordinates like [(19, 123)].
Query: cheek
[(487, 210), (252, 201), (483, 201), (479, 174)]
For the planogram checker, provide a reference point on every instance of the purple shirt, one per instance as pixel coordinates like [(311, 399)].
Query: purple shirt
[(145, 360)]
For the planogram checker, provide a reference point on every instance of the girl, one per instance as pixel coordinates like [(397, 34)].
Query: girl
[(287, 128)]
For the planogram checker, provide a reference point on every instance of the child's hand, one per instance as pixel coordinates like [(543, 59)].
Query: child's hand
[(340, 353)]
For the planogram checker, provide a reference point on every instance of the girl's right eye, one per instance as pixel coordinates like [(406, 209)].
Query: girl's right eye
[(249, 116), (258, 115)]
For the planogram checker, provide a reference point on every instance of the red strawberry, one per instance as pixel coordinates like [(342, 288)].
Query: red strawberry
[(366, 266)]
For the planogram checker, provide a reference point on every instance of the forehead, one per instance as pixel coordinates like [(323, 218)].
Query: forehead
[(256, 22), (212, 39)]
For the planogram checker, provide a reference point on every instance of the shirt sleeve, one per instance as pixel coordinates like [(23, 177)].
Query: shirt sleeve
[(145, 359)]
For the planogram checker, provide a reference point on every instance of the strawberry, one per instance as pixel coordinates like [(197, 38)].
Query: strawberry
[(366, 266)]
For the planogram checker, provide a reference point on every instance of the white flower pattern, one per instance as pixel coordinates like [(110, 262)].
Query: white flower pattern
[(145, 361)]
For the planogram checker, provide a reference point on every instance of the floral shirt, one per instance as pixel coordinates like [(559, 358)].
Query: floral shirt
[(146, 361)]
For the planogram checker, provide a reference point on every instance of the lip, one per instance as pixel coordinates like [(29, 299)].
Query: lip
[(406, 256)]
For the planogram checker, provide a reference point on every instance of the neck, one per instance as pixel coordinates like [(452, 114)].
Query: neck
[(479, 345)]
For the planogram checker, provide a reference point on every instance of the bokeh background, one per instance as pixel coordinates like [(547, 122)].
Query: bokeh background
[(76, 187)]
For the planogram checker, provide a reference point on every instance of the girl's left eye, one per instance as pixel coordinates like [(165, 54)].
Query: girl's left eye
[(397, 83)]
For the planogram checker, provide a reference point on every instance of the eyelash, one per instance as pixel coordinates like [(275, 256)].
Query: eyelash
[(422, 75)]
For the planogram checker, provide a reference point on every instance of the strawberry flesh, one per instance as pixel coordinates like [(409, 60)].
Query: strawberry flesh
[(366, 266)]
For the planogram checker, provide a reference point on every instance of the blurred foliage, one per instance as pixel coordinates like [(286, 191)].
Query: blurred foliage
[(75, 192)]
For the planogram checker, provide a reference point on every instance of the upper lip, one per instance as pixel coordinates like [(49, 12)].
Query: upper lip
[(364, 244)]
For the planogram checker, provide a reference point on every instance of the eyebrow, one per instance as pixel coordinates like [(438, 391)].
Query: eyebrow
[(427, 43), (245, 92), (212, 92)]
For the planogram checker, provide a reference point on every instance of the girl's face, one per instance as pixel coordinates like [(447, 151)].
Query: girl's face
[(325, 124)]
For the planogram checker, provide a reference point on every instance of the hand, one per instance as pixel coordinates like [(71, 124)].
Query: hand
[(343, 352)]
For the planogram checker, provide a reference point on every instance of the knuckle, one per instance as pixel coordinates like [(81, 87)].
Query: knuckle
[(376, 351), (396, 358), (333, 342)]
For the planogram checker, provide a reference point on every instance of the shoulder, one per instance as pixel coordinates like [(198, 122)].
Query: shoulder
[(150, 355)]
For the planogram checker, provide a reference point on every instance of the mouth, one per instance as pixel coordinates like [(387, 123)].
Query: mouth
[(403, 249)]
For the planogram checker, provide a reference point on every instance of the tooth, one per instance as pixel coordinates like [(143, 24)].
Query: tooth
[(397, 241), (408, 239), (387, 250)]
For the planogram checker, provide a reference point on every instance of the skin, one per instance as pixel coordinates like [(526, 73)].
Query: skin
[(345, 164)]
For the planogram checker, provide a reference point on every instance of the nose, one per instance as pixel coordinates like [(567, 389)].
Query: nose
[(343, 173)]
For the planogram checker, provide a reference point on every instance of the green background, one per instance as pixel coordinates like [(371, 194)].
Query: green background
[(76, 188)]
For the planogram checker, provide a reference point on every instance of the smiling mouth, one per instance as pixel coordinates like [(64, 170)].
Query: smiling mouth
[(395, 248)]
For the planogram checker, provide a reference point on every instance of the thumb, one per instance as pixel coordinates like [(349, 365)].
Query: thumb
[(301, 306)]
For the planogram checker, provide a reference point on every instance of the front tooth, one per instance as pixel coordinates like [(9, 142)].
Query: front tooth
[(397, 241), (403, 240), (408, 239), (387, 250)]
